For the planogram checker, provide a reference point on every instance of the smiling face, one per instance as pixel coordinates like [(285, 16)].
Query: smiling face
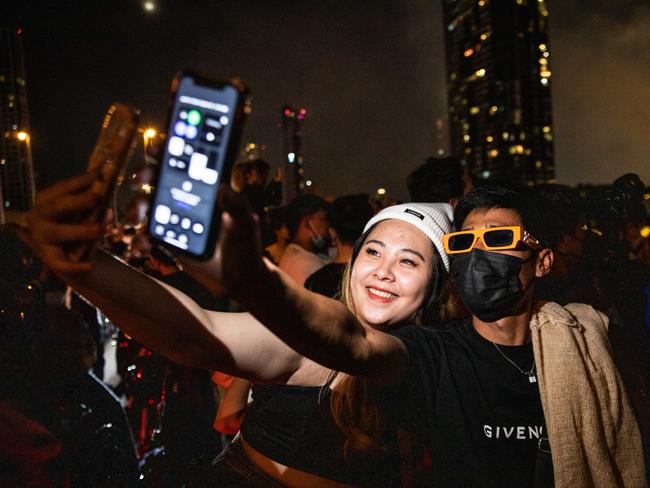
[(391, 276)]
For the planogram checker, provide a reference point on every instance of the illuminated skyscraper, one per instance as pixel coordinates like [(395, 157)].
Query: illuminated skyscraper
[(294, 182), (16, 169), (499, 88), (442, 137)]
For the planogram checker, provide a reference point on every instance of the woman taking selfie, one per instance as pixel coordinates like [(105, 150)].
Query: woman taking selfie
[(308, 425)]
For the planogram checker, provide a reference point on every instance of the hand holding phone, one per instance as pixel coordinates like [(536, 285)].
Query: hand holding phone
[(203, 131)]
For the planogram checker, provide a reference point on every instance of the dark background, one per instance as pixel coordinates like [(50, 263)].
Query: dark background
[(371, 75)]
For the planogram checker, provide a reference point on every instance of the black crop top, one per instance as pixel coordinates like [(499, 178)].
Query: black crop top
[(293, 426)]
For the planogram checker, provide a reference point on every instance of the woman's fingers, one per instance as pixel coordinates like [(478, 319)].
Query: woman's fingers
[(59, 262), (63, 198), (48, 233), (68, 204), (76, 184), (56, 223)]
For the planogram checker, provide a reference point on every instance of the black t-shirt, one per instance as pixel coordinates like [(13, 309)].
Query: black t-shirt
[(327, 280), (482, 417), (293, 425)]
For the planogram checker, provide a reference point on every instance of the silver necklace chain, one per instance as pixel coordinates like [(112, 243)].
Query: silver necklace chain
[(530, 373)]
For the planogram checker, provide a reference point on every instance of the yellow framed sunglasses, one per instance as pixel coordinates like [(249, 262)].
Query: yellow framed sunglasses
[(494, 239)]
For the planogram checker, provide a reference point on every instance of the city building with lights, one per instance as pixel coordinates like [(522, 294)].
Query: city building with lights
[(499, 89), (442, 137), (294, 181), (16, 168)]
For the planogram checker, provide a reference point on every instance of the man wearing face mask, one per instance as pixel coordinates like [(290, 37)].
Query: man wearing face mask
[(545, 371), (306, 219)]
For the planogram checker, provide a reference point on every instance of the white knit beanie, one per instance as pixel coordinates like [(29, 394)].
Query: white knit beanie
[(434, 219)]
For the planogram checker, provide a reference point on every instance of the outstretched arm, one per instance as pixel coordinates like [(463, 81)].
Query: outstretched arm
[(170, 322), (156, 314)]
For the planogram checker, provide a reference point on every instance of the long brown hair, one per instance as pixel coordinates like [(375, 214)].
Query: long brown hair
[(353, 402)]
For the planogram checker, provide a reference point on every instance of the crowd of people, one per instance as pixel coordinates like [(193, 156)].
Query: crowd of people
[(478, 335)]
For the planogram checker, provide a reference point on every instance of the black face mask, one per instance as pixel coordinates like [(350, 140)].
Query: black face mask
[(488, 283)]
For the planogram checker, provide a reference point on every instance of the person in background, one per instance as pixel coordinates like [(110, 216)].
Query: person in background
[(439, 180), (279, 228), (617, 283), (250, 177), (306, 218), (232, 407), (636, 212), (256, 173), (347, 216), (567, 233), (238, 176)]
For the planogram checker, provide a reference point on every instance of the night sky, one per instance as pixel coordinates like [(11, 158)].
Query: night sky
[(371, 75)]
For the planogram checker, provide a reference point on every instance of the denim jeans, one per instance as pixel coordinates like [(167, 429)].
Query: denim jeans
[(231, 468)]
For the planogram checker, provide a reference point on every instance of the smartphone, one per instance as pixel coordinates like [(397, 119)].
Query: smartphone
[(203, 131), (114, 146)]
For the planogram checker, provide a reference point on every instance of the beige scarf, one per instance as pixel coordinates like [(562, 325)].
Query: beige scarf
[(592, 431)]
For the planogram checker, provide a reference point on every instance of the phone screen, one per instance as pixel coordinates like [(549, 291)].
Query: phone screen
[(200, 127)]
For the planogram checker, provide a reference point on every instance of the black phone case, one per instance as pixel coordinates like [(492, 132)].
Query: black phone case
[(241, 110)]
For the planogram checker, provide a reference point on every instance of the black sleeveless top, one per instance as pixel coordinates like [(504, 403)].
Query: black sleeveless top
[(293, 426)]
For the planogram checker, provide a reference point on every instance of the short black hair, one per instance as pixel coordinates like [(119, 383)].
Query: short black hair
[(300, 207), (567, 207), (437, 180), (530, 207), (348, 216)]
